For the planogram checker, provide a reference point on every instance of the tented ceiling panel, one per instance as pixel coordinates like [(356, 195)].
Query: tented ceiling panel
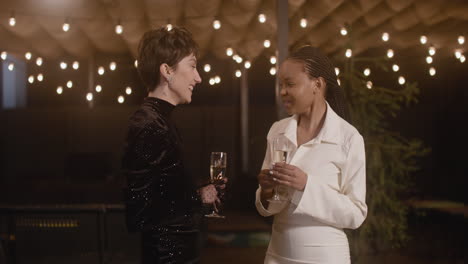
[(92, 24)]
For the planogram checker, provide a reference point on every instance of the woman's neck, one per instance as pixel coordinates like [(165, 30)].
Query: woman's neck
[(162, 92), (311, 121)]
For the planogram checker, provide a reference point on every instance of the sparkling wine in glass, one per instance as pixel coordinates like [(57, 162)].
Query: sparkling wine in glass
[(217, 175), (280, 154)]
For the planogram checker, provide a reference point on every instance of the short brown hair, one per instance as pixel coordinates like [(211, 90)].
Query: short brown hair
[(160, 46)]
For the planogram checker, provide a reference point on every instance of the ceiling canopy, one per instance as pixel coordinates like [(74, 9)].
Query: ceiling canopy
[(38, 26)]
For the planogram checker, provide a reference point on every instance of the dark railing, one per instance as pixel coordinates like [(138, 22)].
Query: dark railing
[(79, 233)]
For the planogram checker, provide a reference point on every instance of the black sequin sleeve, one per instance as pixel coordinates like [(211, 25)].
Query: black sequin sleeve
[(159, 191)]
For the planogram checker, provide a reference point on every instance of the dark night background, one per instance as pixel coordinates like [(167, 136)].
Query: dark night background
[(61, 184), (59, 151), (56, 138)]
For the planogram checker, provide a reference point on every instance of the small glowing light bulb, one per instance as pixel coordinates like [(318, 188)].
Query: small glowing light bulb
[(369, 85), (273, 60), (229, 51), (390, 53), (31, 79), (101, 70), (98, 88), (28, 55), (247, 64), (63, 65), (120, 99), (69, 84), (395, 67), (59, 90), (432, 71), (136, 63), (4, 55), (432, 50), (262, 18), (367, 72), (207, 68), (40, 77), (348, 53), (216, 24), (429, 59), (11, 66), (217, 79), (89, 97), (39, 61), (423, 39), (303, 23), (461, 40), (128, 90), (212, 81), (266, 43), (113, 66), (385, 36), (119, 29), (12, 21), (76, 65), (273, 70), (169, 27), (343, 31), (401, 80), (66, 27), (238, 73)]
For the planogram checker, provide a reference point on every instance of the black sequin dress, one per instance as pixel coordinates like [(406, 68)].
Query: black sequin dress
[(161, 199)]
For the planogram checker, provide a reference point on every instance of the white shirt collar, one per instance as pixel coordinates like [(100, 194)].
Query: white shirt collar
[(329, 133)]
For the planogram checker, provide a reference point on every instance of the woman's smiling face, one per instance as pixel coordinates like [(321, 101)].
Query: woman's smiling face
[(185, 78), (298, 91)]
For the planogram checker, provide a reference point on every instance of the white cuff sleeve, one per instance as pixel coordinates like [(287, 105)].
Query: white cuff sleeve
[(272, 208)]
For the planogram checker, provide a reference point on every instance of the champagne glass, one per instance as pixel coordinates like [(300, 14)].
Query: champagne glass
[(279, 154), (217, 175)]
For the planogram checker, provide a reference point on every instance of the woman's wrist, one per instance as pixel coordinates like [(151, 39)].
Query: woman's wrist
[(202, 185), (266, 193)]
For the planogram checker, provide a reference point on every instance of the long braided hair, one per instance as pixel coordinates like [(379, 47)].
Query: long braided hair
[(317, 64)]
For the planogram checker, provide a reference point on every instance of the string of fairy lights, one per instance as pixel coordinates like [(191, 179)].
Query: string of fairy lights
[(262, 18), (230, 52), (75, 65), (458, 52)]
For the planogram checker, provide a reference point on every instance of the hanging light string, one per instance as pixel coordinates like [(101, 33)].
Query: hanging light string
[(73, 18), (217, 24)]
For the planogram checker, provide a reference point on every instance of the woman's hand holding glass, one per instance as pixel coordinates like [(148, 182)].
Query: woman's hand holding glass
[(267, 184), (209, 194), (266, 181), (218, 178), (280, 150), (289, 175)]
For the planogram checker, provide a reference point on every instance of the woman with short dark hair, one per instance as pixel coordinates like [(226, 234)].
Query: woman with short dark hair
[(162, 200)]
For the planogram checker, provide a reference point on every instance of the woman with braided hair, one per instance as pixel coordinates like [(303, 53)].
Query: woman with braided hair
[(325, 172)]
